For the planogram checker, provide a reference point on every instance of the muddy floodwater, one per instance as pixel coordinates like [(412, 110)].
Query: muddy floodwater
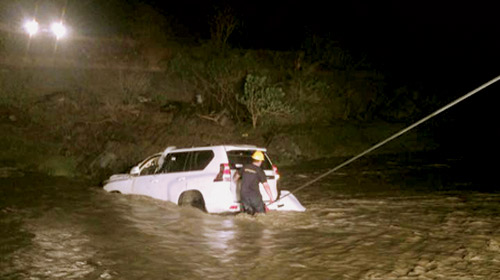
[(389, 217)]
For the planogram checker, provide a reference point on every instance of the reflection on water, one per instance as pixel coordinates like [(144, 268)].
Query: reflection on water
[(57, 250), (376, 220)]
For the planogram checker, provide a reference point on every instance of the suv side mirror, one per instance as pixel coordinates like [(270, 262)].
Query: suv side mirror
[(135, 171)]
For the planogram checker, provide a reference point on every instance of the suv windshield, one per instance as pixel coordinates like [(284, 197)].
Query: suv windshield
[(237, 157)]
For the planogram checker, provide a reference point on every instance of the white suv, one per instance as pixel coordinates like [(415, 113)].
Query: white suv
[(200, 177)]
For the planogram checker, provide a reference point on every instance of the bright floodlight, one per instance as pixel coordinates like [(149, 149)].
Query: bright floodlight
[(58, 29), (31, 27)]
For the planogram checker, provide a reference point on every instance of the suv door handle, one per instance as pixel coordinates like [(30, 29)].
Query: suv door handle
[(180, 179), (155, 181)]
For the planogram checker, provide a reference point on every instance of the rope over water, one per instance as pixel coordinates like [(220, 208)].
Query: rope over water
[(394, 136)]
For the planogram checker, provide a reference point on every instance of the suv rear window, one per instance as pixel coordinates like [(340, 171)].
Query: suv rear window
[(244, 157)]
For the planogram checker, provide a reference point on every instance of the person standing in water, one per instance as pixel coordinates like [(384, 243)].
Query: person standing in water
[(251, 175)]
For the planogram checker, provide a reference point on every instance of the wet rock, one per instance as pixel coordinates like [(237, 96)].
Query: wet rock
[(284, 149), (115, 157), (106, 159)]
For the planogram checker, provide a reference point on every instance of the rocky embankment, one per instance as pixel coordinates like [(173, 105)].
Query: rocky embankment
[(63, 138)]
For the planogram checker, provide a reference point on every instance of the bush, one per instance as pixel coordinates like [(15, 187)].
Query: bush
[(262, 100)]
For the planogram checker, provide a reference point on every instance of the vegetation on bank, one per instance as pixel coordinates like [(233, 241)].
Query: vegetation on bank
[(105, 108)]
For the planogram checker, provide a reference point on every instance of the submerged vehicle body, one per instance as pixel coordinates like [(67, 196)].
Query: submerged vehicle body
[(201, 177)]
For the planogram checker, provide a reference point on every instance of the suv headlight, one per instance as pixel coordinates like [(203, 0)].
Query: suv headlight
[(58, 29), (31, 27)]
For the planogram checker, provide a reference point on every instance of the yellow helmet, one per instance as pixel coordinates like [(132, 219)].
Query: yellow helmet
[(258, 155)]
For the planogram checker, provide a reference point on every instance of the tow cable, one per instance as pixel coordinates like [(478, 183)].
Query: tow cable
[(394, 136)]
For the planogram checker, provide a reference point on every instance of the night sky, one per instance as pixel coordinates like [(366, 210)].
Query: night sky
[(434, 42)]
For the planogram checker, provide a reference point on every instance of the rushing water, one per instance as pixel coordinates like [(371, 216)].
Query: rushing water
[(377, 219)]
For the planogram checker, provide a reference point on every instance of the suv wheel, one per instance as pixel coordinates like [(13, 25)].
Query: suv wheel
[(194, 199)]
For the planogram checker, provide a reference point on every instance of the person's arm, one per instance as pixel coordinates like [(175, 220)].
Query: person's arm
[(236, 176), (263, 180), (268, 191)]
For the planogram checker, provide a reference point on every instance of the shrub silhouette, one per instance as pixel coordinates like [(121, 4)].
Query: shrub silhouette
[(262, 100)]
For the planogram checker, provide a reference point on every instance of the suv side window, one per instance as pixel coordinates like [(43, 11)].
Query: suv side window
[(149, 166), (200, 159), (175, 162)]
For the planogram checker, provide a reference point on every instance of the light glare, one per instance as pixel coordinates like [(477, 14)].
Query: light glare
[(31, 27), (58, 29)]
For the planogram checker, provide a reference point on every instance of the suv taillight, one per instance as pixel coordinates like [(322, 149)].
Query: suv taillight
[(276, 174), (224, 173)]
